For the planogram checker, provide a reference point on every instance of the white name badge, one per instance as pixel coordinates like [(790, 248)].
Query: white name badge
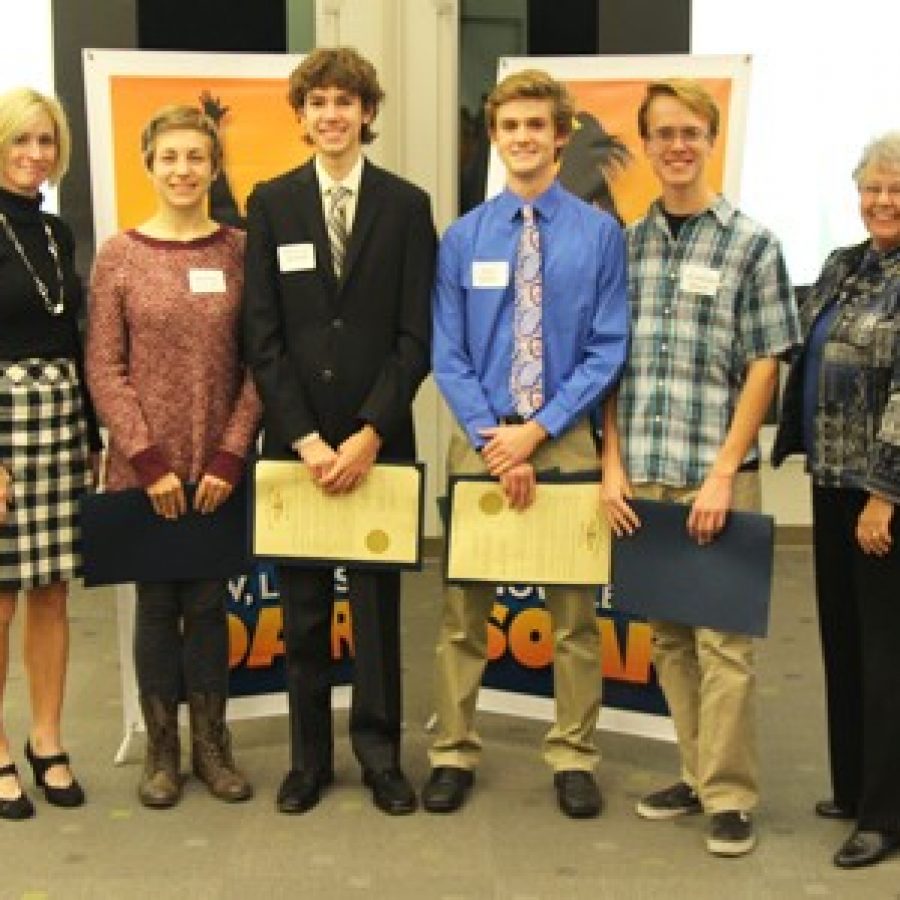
[(490, 274), (700, 280), (296, 257), (206, 281)]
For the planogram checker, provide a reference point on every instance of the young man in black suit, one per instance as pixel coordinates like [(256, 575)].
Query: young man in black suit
[(339, 266)]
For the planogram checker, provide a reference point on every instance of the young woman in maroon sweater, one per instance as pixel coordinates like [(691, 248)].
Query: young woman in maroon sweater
[(164, 369)]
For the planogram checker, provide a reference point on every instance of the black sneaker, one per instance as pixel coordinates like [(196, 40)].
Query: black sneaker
[(731, 833), (677, 800)]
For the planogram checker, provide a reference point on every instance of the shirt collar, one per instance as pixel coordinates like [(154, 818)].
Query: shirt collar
[(351, 180), (546, 204), (720, 209)]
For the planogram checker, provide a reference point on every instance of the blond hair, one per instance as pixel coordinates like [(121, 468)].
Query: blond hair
[(688, 92), (19, 107), (532, 84)]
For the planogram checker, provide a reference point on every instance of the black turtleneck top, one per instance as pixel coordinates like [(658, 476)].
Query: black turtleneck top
[(27, 328)]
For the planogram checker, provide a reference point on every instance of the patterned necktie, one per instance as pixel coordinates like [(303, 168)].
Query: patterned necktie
[(337, 226), (526, 379)]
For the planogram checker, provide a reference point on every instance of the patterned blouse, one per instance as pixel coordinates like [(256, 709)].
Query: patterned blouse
[(857, 418)]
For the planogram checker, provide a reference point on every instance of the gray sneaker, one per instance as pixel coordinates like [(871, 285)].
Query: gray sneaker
[(731, 833), (674, 801)]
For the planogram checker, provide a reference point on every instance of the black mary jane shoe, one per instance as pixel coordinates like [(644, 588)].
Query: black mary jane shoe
[(69, 796), (865, 848), (19, 807)]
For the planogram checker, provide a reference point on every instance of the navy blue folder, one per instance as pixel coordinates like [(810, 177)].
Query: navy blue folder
[(124, 540), (660, 572)]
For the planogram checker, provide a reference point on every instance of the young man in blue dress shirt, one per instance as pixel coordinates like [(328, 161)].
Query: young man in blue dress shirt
[(530, 329)]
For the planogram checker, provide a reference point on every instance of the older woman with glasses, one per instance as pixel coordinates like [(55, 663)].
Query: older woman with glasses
[(842, 408)]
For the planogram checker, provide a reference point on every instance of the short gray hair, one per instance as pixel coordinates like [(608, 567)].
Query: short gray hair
[(883, 152)]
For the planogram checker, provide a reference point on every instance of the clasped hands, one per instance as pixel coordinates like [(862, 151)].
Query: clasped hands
[(506, 453), (341, 470)]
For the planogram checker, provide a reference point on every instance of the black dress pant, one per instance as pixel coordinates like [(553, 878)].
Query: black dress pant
[(375, 712), (859, 619)]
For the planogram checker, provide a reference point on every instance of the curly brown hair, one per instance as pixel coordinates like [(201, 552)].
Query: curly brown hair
[(340, 67)]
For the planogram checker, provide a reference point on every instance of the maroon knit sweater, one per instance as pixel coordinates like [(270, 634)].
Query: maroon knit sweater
[(163, 362)]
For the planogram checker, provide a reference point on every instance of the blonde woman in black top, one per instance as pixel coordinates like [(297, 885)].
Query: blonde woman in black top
[(47, 432)]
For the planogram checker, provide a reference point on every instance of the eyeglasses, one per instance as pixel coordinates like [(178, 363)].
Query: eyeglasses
[(690, 134), (873, 190)]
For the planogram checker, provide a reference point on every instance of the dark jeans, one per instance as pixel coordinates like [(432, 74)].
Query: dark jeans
[(181, 639), (859, 619)]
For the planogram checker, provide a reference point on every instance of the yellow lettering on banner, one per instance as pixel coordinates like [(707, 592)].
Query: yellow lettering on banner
[(531, 638), (267, 642), (496, 637), (341, 629), (634, 666), (238, 640)]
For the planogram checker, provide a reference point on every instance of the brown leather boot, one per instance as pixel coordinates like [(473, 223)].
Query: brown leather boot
[(160, 785), (211, 749)]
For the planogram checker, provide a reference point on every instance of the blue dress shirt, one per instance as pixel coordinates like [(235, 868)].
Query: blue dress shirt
[(585, 313)]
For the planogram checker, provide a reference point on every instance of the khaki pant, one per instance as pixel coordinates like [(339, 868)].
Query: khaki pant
[(709, 682), (462, 641)]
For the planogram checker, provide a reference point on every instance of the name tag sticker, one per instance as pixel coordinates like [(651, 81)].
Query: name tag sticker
[(296, 257), (700, 280), (490, 274), (206, 281)]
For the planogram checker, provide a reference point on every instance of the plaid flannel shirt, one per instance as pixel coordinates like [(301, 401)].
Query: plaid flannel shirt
[(703, 307)]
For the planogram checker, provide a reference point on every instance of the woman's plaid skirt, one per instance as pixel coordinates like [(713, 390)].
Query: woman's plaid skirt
[(44, 446)]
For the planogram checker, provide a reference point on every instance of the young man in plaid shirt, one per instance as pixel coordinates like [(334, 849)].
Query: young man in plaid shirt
[(712, 309)]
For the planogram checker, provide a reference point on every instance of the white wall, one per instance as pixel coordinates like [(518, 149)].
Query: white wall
[(824, 82), (26, 53)]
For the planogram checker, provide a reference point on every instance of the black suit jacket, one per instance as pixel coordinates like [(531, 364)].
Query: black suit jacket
[(329, 355)]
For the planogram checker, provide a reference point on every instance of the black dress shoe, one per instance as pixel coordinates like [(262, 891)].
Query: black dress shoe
[(69, 796), (446, 789), (301, 790), (578, 794), (19, 807), (391, 791), (865, 848), (828, 809)]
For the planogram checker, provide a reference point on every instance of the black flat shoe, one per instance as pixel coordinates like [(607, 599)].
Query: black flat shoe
[(19, 807), (446, 789), (865, 848), (391, 791), (828, 809), (578, 794), (69, 796), (301, 790)]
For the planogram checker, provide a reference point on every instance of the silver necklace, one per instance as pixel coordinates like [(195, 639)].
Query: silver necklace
[(54, 307)]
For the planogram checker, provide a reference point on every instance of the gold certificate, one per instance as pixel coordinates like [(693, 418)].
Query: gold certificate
[(562, 538), (378, 523)]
